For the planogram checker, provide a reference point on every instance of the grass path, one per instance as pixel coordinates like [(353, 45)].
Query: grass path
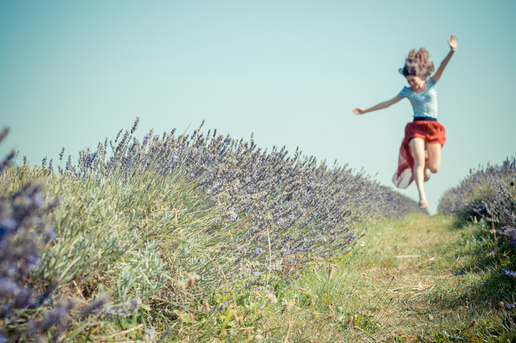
[(426, 267), (425, 278)]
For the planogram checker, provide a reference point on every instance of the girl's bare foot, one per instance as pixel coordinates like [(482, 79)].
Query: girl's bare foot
[(427, 174), (423, 204)]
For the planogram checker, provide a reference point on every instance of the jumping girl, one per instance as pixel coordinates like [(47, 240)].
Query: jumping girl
[(420, 152)]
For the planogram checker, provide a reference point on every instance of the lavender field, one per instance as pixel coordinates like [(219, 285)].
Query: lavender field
[(488, 195), (168, 230), (203, 238)]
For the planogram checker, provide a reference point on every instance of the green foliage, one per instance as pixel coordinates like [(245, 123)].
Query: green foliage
[(133, 241), (163, 252)]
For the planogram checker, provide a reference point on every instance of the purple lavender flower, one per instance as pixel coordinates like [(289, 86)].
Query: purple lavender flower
[(146, 138), (509, 274), (61, 154), (69, 163), (3, 133), (135, 125)]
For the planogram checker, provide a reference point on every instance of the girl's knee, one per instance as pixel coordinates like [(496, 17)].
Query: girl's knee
[(434, 169), (419, 162)]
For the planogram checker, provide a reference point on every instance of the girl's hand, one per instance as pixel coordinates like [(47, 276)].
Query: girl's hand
[(453, 42), (359, 110)]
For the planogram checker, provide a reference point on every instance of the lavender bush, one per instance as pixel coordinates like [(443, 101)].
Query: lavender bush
[(28, 311), (297, 209), (174, 223), (23, 230), (489, 194), (134, 242)]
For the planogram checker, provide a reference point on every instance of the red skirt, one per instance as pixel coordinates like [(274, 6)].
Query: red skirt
[(432, 132)]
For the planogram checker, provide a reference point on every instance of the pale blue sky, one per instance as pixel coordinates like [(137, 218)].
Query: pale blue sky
[(75, 72)]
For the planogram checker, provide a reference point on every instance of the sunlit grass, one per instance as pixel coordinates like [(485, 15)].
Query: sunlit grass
[(175, 254), (407, 283)]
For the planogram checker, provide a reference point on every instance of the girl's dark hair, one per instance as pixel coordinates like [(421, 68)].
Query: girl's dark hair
[(418, 64)]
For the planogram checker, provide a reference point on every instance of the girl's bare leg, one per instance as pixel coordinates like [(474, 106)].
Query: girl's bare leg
[(417, 145), (434, 157)]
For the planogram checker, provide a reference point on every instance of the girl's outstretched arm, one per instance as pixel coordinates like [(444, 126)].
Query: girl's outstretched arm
[(453, 46), (385, 104)]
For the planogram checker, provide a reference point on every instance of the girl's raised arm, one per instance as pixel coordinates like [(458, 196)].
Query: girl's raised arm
[(453, 46), (385, 104)]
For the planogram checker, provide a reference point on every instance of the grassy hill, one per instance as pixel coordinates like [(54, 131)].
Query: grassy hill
[(203, 238)]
